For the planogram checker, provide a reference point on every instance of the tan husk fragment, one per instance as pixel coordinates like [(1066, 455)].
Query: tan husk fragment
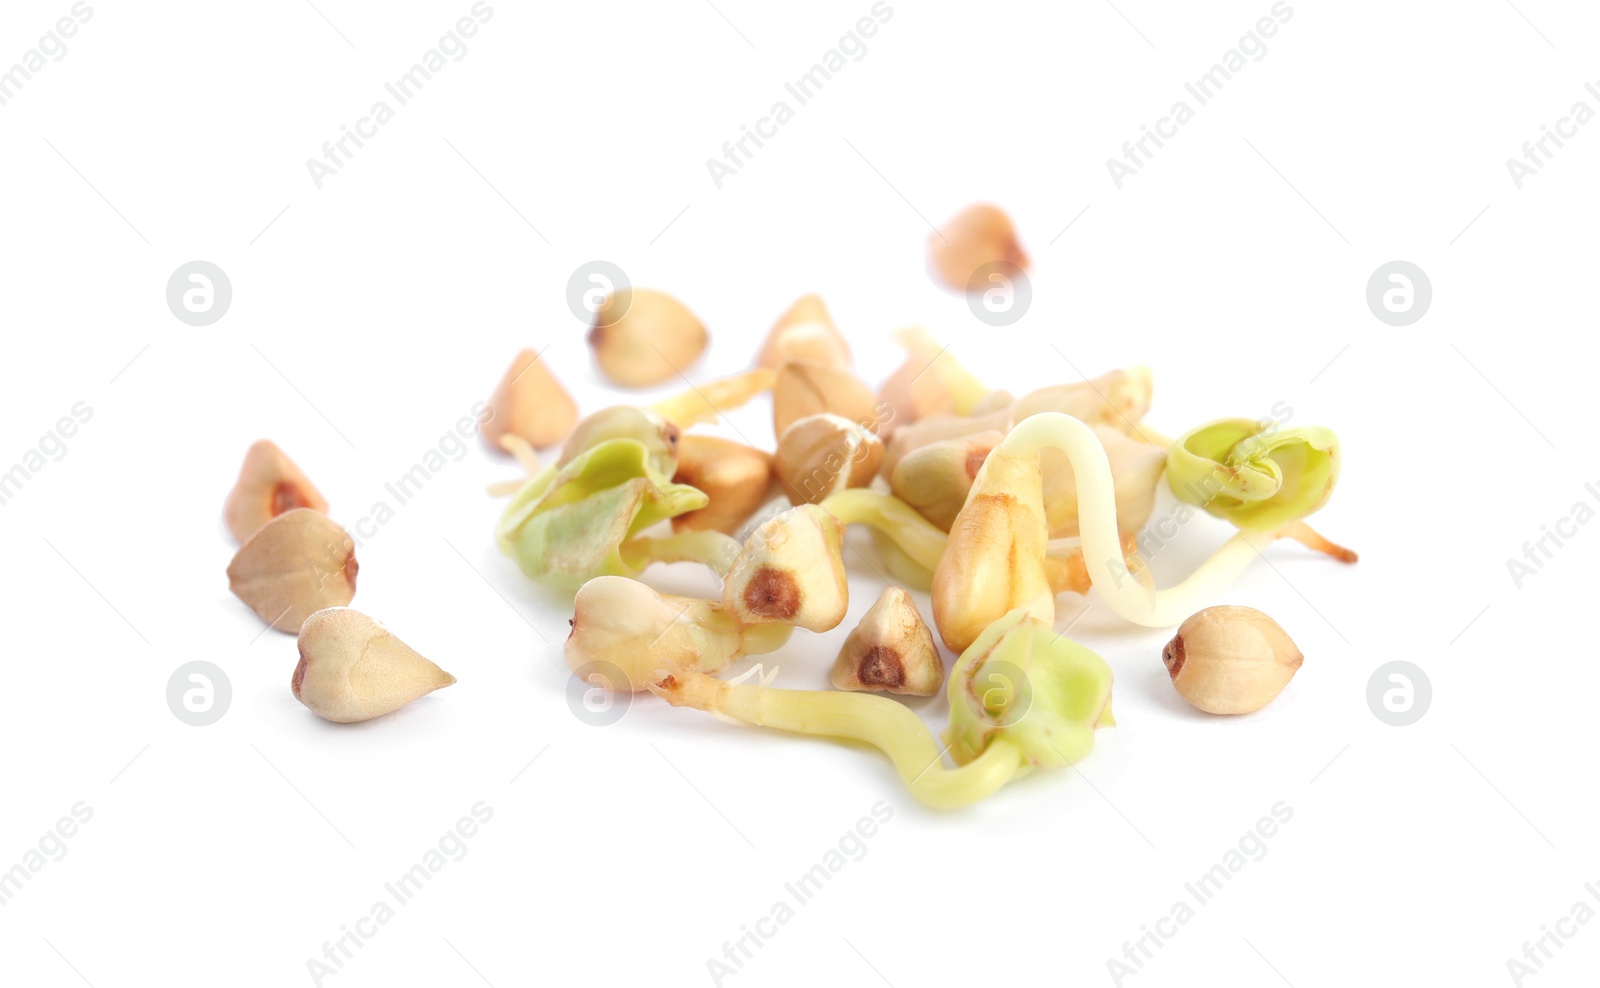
[(642, 337), (1230, 659), (891, 649), (823, 454), (353, 669), (936, 478), (805, 331), (298, 564), (790, 571), (736, 477), (804, 388), (531, 404), (978, 235), (269, 484)]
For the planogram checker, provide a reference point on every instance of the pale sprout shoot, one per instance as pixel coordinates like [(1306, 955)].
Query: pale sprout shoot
[(708, 402), (627, 636), (929, 382)]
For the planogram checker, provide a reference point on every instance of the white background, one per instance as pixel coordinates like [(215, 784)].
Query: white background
[(373, 313)]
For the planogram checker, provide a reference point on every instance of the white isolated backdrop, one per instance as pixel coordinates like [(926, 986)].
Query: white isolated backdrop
[(369, 315)]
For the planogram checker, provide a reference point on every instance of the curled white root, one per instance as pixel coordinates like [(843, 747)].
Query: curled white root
[(1132, 598)]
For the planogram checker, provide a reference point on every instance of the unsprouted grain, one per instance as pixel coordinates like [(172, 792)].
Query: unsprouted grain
[(269, 484), (1231, 660), (299, 563), (643, 337), (891, 650), (353, 669)]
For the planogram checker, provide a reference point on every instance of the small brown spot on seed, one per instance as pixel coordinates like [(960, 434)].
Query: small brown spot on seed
[(1173, 656), (773, 593), (286, 497), (881, 666), (350, 569)]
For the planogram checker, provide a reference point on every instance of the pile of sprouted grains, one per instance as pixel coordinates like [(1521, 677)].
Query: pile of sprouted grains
[(994, 504)]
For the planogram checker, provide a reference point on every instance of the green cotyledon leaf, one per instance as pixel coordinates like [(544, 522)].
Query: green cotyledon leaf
[(566, 525), (1256, 475), (1039, 690)]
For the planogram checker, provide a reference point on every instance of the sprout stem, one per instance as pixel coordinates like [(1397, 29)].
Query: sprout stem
[(707, 402), (918, 537), (965, 389), (879, 721), (523, 450), (1102, 545), (1310, 537), (1151, 437), (709, 547), (527, 459), (900, 565)]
